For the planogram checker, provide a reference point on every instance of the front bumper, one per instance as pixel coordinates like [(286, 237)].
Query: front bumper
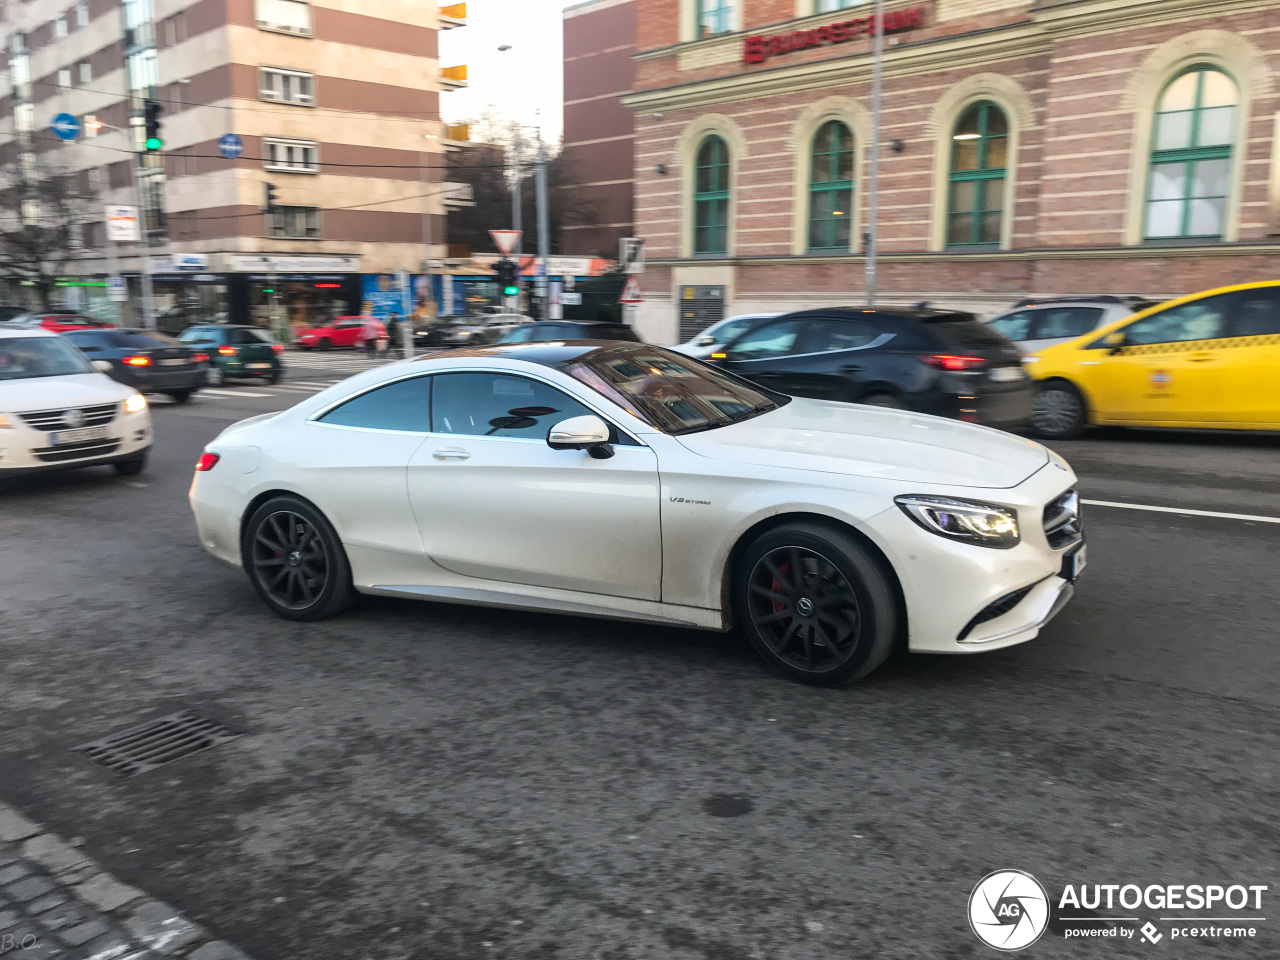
[(25, 450)]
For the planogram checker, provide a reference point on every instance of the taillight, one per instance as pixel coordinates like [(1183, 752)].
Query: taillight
[(199, 358), (951, 361), (278, 347), (227, 351), (207, 462), (138, 361)]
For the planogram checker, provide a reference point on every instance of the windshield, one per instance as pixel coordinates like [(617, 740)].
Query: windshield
[(23, 358), (673, 393)]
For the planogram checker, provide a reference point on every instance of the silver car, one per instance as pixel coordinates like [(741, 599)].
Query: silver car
[(718, 334), (1035, 324)]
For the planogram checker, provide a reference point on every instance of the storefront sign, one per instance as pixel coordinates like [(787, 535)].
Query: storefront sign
[(300, 263), (758, 49), (179, 262)]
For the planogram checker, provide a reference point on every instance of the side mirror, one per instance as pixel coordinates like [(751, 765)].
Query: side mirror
[(588, 433), (1116, 341), (706, 341), (102, 366)]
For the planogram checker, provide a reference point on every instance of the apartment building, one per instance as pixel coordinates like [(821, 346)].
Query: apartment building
[(331, 105), (1028, 147)]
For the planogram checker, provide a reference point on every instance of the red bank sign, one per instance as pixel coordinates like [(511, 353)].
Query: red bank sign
[(759, 49)]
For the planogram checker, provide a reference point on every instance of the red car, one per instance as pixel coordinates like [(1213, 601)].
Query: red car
[(343, 332), (61, 321)]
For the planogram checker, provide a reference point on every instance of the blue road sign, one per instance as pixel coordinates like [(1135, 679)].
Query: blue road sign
[(65, 127), (230, 146)]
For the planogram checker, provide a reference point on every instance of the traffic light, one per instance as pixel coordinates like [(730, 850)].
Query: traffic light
[(271, 201), (507, 279), (151, 111)]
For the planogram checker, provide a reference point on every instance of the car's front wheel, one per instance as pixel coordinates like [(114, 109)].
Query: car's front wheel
[(815, 604), (295, 560), (133, 466), (1058, 411)]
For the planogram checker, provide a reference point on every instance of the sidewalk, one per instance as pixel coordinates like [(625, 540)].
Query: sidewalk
[(57, 904)]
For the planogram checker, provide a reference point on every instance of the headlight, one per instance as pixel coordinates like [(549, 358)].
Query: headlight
[(135, 404), (464, 333), (5, 423), (1031, 359), (982, 524)]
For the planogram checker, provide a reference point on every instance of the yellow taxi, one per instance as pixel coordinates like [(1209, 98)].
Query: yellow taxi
[(1209, 360)]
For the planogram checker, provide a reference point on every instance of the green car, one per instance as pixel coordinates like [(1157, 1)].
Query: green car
[(236, 352)]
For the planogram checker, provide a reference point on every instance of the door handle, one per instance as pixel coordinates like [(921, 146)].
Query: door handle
[(451, 453), (1200, 357)]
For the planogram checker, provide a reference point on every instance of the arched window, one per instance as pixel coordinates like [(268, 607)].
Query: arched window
[(1194, 129), (711, 198), (979, 151), (831, 188)]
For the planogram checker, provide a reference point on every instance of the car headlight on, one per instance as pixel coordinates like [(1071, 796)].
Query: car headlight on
[(982, 524), (135, 404)]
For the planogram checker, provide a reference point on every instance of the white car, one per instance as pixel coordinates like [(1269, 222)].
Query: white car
[(58, 412), (627, 481), (718, 334)]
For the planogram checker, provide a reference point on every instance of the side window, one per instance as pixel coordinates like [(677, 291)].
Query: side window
[(499, 405), (1257, 313), (772, 340), (543, 332), (520, 334), (1067, 322), (1199, 320), (826, 335), (86, 342), (1016, 326), (404, 405), (732, 330)]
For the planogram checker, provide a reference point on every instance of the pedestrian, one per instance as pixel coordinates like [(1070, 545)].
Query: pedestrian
[(393, 334), (369, 335)]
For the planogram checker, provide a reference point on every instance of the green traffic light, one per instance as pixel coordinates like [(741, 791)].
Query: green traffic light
[(154, 143), (511, 291)]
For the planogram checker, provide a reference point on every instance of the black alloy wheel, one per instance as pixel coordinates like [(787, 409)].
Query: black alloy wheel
[(1058, 411), (815, 605), (886, 401), (325, 343), (133, 466), (295, 560)]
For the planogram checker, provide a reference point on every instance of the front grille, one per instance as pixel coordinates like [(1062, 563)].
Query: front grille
[(1063, 524), (76, 451), (996, 608), (94, 416)]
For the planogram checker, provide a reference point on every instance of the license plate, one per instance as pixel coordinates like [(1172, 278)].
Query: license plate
[(259, 366), (172, 363), (1073, 564), (1006, 374), (78, 436)]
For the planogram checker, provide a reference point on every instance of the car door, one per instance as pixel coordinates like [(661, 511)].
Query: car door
[(493, 501), (346, 333), (1170, 368), (1251, 382), (767, 355), (1060, 324), (837, 359)]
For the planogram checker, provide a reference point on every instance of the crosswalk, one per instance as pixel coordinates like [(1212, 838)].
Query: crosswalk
[(282, 389), (343, 364)]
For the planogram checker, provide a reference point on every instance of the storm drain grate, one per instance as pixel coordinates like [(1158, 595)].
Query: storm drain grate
[(157, 742)]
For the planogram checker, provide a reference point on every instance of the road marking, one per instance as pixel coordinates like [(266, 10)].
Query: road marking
[(207, 391), (295, 388), (310, 383), (1182, 510)]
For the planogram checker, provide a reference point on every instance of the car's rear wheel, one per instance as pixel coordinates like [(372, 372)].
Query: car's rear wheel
[(886, 400), (181, 396), (815, 604), (295, 560), (1058, 411), (324, 343)]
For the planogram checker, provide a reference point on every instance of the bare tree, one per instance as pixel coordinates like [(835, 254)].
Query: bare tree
[(44, 212)]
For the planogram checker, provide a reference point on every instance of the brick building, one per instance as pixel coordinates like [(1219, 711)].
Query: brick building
[(1029, 147), (336, 105), (599, 132)]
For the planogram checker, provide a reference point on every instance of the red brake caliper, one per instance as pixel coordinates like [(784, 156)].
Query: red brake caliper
[(777, 587)]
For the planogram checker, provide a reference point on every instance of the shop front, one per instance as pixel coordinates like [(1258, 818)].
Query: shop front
[(288, 293)]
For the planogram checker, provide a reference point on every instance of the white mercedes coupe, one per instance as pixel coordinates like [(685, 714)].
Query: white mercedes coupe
[(627, 481)]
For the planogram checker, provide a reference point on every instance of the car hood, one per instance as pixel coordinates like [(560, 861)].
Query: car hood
[(866, 441), (53, 393)]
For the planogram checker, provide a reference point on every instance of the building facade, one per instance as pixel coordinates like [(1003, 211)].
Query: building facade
[(328, 107), (1028, 147), (599, 132)]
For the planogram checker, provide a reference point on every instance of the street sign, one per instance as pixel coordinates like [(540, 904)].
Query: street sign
[(505, 240), (631, 293), (65, 127), (230, 146), (117, 289), (570, 299), (631, 254), (122, 224)]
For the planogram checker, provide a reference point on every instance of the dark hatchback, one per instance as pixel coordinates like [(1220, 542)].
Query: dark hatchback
[(544, 331), (236, 352), (929, 361), (149, 361)]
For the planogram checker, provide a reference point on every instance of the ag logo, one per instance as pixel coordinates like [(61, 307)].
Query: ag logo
[(1008, 910)]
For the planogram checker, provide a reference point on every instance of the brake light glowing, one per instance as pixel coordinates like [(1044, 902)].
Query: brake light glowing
[(207, 462), (199, 358), (278, 347), (950, 361), (138, 361), (227, 351)]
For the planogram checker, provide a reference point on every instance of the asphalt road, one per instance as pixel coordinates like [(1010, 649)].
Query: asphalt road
[(422, 780)]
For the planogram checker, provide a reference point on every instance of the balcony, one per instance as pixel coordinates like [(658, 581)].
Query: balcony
[(453, 78), (455, 195), (453, 15)]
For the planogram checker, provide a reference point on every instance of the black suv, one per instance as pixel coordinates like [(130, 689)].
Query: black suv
[(929, 361)]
